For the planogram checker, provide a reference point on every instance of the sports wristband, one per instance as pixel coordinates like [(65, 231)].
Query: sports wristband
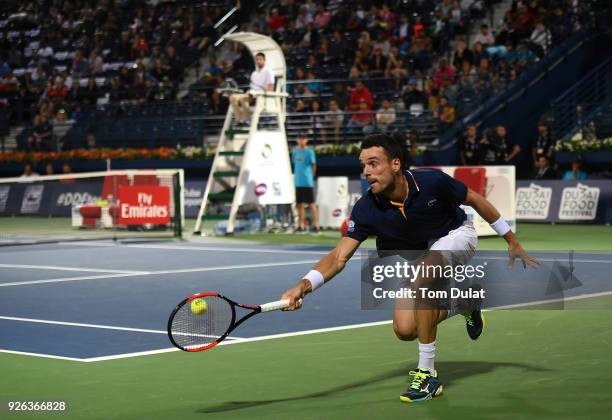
[(501, 226), (315, 278)]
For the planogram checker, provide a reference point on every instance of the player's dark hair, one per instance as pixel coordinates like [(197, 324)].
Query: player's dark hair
[(260, 54), (394, 146)]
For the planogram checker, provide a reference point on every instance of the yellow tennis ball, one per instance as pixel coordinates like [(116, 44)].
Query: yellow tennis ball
[(198, 306)]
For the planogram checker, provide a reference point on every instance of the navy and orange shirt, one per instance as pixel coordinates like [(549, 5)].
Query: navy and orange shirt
[(430, 211)]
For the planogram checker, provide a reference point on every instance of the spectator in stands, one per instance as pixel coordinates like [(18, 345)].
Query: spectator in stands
[(160, 70), (543, 144), (402, 31), (485, 37), (90, 94), (313, 85), (305, 169), (385, 115), (362, 119), (411, 95), (469, 146), (490, 151), (444, 72), (543, 169), (509, 151), (324, 55), (96, 63), (317, 119), (354, 22), (360, 94), (378, 64), (49, 169), (57, 92), (80, 67), (261, 80), (341, 95), (333, 120), (304, 17), (28, 172), (540, 39), (218, 103), (40, 135), (412, 143), (322, 18), (311, 36), (276, 21), (446, 113), (61, 124), (478, 52), (338, 44), (450, 90), (524, 22), (433, 99), (462, 54), (67, 169), (9, 83), (576, 173)]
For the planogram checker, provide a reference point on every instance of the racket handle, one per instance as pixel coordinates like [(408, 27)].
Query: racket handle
[(275, 306)]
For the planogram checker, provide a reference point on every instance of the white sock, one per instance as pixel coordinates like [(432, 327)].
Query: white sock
[(427, 354)]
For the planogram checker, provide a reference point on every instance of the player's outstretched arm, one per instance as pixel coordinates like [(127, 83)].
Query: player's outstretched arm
[(488, 212), (323, 271)]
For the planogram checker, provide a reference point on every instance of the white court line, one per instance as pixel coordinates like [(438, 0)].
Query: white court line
[(155, 273), (103, 327), (127, 355), (47, 356), (549, 259), (67, 279), (211, 248), (62, 268), (541, 302)]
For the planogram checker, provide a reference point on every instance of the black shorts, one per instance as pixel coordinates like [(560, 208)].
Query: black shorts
[(304, 195)]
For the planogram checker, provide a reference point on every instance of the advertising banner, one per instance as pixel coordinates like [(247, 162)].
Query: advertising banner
[(564, 201), (267, 176), (139, 205), (194, 191), (332, 200)]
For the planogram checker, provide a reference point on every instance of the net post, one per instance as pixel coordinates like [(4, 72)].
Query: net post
[(178, 209)]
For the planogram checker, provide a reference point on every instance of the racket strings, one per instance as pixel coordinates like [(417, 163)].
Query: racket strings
[(192, 330)]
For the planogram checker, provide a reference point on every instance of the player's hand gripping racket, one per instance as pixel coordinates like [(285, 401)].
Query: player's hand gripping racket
[(202, 321)]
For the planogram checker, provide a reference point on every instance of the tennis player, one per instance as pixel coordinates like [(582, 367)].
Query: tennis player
[(412, 210)]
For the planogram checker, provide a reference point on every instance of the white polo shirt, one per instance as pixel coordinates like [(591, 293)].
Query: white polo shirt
[(261, 78)]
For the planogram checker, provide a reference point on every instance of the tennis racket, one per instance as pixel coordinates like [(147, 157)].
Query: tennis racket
[(202, 330)]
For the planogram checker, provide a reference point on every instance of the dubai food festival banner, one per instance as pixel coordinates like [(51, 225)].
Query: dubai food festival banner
[(266, 176), (564, 201)]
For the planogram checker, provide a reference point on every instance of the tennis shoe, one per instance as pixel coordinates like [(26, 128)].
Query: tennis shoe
[(424, 386)]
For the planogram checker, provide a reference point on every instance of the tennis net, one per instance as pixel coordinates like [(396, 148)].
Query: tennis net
[(92, 205)]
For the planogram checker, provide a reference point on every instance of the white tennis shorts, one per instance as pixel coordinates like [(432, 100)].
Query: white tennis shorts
[(459, 246)]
